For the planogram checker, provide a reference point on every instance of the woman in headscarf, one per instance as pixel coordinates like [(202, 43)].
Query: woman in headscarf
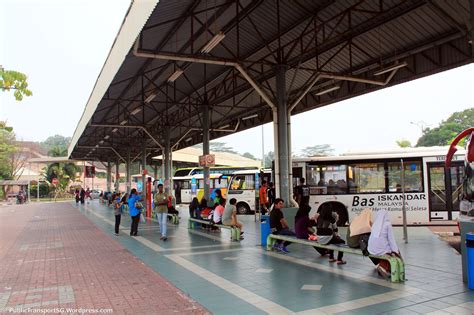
[(382, 242)]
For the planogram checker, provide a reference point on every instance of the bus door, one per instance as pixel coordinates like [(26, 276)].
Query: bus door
[(242, 188), (444, 190)]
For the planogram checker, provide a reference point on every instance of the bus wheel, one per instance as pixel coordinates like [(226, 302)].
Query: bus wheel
[(243, 208), (342, 213)]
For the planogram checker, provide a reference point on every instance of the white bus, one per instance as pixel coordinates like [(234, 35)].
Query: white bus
[(188, 187), (244, 186), (352, 182)]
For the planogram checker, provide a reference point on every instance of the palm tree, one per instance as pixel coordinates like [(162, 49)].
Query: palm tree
[(64, 172)]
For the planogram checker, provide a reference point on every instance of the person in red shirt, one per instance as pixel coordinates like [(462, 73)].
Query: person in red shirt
[(263, 197)]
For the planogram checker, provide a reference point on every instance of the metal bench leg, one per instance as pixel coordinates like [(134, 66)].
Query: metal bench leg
[(270, 243)]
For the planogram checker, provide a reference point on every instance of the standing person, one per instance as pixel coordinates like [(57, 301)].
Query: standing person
[(271, 193), (279, 225), (229, 217), (327, 232), (83, 195), (219, 199), (302, 193), (88, 194), (161, 209), (124, 202), (78, 197), (117, 205), (263, 197), (134, 211), (382, 242)]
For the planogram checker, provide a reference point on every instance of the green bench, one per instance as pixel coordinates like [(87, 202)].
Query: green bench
[(397, 266), (234, 231), (174, 218)]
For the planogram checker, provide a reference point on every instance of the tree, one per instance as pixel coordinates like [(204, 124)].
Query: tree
[(64, 172), (12, 158), (269, 158), (218, 147), (318, 150), (249, 156), (404, 143), (56, 142), (14, 80), (447, 130)]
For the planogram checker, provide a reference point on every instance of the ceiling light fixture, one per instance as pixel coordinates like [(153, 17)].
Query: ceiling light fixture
[(96, 145), (391, 68), (136, 111), (188, 139), (332, 88), (250, 117), (175, 75), (115, 130), (101, 141), (123, 122), (150, 98), (223, 127), (213, 43), (106, 137)]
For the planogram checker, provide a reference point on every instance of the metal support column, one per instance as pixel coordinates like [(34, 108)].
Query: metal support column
[(127, 179), (167, 162), (143, 171), (283, 149), (205, 148), (109, 176), (117, 174)]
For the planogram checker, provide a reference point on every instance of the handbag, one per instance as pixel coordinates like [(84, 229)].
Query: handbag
[(142, 218), (138, 205), (336, 239)]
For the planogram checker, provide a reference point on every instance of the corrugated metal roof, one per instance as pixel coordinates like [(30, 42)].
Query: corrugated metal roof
[(341, 37)]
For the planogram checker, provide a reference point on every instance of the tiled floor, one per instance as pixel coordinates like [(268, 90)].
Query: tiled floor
[(242, 278)]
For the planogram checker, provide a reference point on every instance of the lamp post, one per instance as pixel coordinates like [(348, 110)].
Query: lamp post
[(420, 124)]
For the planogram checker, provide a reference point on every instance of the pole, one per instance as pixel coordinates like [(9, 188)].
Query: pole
[(38, 191), (404, 210), (263, 148)]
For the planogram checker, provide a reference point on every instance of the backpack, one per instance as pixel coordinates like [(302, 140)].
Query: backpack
[(364, 243)]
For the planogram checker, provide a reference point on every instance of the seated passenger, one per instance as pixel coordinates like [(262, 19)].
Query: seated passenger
[(304, 226), (218, 212), (359, 229), (382, 242), (327, 232), (194, 210), (279, 225), (229, 217)]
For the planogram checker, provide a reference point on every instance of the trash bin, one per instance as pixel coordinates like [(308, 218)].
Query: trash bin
[(470, 259), (265, 229)]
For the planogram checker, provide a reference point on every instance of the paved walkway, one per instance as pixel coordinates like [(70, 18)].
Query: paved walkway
[(55, 249), (52, 256)]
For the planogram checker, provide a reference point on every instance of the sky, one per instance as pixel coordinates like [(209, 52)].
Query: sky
[(62, 46)]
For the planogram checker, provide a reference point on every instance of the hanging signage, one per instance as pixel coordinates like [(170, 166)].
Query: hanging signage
[(207, 160), (89, 171)]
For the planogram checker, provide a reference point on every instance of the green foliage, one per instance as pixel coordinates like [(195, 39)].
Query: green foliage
[(447, 130), (318, 150), (269, 157), (218, 147), (43, 190), (56, 143), (7, 151), (404, 143), (14, 80)]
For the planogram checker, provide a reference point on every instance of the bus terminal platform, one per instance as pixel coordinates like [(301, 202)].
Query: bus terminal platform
[(61, 256)]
